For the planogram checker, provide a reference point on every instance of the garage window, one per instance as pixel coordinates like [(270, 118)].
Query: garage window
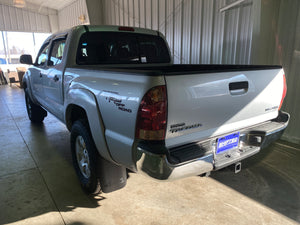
[(12, 46)]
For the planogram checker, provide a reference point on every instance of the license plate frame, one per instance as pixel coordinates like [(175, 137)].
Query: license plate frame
[(228, 142)]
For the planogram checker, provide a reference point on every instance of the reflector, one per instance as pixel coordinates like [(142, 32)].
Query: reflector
[(283, 92)]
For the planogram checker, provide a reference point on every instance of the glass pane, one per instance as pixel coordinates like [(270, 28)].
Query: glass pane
[(121, 48), (57, 52), (43, 56)]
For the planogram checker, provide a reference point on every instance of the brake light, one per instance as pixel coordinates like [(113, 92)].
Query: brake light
[(152, 115), (126, 29), (283, 92)]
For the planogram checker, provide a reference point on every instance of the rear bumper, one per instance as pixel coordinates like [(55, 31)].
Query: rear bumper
[(162, 166)]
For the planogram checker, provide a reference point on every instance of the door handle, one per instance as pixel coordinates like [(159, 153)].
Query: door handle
[(56, 78), (238, 85), (238, 88)]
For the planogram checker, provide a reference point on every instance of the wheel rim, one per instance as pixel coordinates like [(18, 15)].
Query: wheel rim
[(82, 156), (28, 105)]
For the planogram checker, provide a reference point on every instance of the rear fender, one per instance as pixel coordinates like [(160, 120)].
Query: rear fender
[(87, 101)]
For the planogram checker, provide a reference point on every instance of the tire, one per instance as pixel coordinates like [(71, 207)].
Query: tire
[(85, 157), (35, 112)]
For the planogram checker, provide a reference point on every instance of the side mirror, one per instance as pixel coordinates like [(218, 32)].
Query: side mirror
[(50, 63), (26, 59)]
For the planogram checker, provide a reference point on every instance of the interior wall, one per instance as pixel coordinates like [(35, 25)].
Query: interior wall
[(53, 21), (196, 30), (95, 11), (287, 45), (27, 20), (69, 16), (276, 41)]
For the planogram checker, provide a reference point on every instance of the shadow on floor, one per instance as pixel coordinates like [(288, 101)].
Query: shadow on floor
[(50, 184), (24, 196), (272, 177)]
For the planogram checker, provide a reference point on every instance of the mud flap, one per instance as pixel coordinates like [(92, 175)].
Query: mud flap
[(112, 177)]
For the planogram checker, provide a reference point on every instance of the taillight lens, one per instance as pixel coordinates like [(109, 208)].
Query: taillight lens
[(152, 115), (283, 92)]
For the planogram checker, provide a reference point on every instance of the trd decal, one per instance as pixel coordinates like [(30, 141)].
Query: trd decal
[(118, 102)]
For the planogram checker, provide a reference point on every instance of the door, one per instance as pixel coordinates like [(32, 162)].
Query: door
[(37, 73), (53, 80)]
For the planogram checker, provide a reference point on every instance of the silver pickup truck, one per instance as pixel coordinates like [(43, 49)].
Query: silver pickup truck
[(128, 107)]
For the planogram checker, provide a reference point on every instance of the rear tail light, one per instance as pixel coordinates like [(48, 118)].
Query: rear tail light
[(152, 115), (283, 92)]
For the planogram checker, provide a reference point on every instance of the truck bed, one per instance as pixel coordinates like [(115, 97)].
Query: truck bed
[(180, 69)]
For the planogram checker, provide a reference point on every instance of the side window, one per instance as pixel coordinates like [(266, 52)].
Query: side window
[(42, 57), (57, 52)]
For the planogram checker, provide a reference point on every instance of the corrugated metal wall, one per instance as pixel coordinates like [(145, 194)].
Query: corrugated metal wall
[(287, 46), (195, 29), (69, 16), (277, 41), (15, 19)]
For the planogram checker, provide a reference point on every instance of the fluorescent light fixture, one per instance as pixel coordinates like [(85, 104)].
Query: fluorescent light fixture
[(19, 3), (81, 18)]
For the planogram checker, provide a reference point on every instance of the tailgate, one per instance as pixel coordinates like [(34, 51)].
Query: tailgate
[(205, 105)]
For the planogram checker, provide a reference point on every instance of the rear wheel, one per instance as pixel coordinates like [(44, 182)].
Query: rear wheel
[(85, 157), (35, 112)]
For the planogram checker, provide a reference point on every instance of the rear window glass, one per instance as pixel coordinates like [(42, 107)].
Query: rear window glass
[(121, 48)]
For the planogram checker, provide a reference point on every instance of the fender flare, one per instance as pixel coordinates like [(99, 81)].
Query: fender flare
[(87, 101), (27, 85)]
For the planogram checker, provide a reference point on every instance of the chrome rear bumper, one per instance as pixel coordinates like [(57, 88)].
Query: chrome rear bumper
[(162, 167)]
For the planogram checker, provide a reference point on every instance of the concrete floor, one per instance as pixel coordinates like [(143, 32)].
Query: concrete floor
[(38, 184)]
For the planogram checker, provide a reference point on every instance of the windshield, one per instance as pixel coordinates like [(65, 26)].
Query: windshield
[(121, 48)]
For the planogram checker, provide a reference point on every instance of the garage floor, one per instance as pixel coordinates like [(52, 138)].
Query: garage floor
[(38, 184)]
